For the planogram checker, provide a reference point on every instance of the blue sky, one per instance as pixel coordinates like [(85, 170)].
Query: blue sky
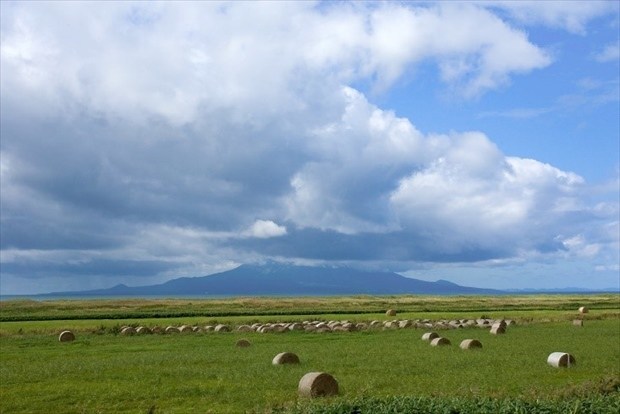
[(471, 141)]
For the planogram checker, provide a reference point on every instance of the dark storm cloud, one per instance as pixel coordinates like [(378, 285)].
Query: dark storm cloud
[(95, 267), (329, 245)]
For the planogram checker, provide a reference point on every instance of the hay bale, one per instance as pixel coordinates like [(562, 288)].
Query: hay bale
[(243, 343), (222, 328), (128, 330), (498, 329), (560, 359), (244, 328), (143, 330), (285, 358), (404, 324), (390, 325), (578, 322), (295, 327), (429, 336), (470, 344), (172, 329), (66, 336), (583, 309), (440, 342), (185, 328), (390, 312), (157, 330), (317, 384)]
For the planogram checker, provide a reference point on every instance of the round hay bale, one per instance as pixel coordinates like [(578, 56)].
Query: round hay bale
[(390, 312), (185, 328), (498, 329), (578, 322), (583, 309), (157, 329), (317, 384), (244, 328), (222, 328), (560, 359), (500, 322), (128, 330), (429, 336), (440, 342), (390, 325), (470, 344), (66, 336), (143, 330), (285, 358), (243, 343), (404, 324), (172, 329), (296, 327)]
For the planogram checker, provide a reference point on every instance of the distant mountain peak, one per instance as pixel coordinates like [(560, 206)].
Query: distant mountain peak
[(274, 278)]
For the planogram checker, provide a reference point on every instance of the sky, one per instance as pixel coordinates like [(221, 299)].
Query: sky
[(476, 142)]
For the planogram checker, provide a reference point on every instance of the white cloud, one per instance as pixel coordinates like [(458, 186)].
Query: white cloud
[(569, 15), (611, 53), (137, 60), (264, 229)]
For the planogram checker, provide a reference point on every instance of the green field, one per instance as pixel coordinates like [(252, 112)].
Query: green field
[(377, 370)]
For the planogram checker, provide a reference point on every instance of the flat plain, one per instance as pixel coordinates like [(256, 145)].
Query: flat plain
[(378, 369)]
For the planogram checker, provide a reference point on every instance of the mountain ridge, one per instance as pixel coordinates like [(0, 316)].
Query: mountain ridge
[(288, 280)]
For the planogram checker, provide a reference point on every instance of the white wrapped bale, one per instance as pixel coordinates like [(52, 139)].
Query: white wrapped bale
[(429, 336), (470, 344), (560, 359), (440, 342)]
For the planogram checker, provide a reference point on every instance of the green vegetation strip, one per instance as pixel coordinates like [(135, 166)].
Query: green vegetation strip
[(32, 310)]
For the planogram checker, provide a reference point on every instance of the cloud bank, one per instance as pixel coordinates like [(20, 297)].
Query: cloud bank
[(143, 141)]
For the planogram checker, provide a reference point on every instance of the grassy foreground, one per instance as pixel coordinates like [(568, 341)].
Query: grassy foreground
[(377, 371)]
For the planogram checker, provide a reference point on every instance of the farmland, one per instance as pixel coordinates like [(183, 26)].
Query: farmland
[(378, 370)]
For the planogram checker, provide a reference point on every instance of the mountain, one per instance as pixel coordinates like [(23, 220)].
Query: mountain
[(288, 280)]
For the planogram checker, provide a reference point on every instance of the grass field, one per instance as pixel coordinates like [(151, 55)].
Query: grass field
[(377, 370)]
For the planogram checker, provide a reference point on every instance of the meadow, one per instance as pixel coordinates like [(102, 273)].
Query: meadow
[(378, 370)]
